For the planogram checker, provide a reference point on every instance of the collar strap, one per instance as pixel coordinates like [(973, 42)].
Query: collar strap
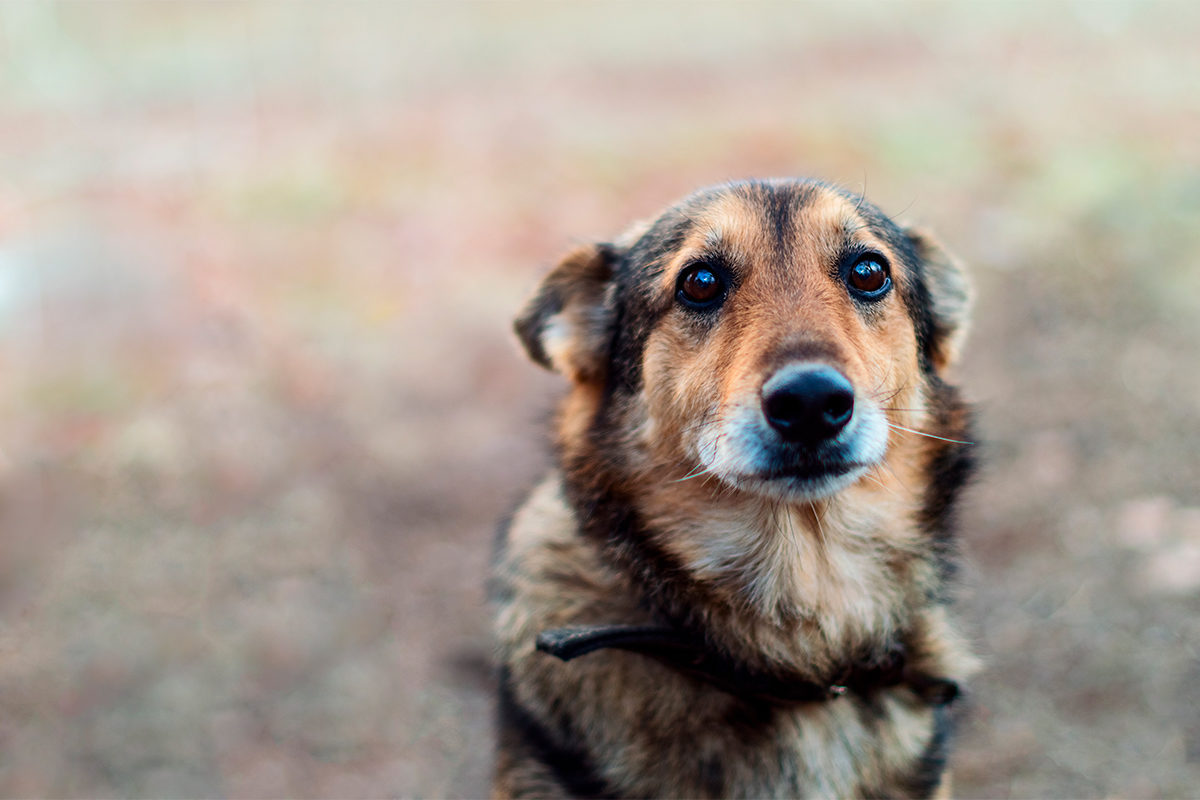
[(687, 654)]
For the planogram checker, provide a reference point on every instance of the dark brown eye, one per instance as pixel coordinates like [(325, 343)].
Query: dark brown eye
[(869, 277), (700, 287)]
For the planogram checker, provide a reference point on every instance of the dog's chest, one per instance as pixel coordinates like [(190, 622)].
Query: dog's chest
[(651, 729), (851, 746), (845, 574)]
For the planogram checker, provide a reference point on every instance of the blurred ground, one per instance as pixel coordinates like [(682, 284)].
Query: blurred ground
[(260, 405)]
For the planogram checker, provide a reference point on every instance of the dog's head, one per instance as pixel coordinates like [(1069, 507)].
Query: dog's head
[(776, 336)]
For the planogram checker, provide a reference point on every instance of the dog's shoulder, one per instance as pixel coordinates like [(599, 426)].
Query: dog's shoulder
[(548, 575)]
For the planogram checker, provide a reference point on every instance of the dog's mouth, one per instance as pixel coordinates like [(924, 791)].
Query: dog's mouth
[(745, 454), (804, 479), (808, 472)]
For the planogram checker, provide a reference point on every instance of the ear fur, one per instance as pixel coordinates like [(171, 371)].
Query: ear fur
[(950, 295), (566, 326)]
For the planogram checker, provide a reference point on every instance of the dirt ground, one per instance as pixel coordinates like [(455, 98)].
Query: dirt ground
[(260, 406)]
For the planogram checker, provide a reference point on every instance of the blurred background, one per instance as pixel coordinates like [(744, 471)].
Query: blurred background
[(260, 406)]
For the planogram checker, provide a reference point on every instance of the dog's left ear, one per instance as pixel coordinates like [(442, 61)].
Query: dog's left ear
[(567, 324), (950, 295)]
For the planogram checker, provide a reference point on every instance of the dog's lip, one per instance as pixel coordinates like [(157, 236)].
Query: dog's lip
[(804, 481), (811, 472), (803, 474)]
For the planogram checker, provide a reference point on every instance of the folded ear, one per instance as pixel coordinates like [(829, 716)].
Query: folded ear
[(950, 296), (566, 326)]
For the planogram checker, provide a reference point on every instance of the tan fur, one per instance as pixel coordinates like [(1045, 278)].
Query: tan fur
[(778, 583)]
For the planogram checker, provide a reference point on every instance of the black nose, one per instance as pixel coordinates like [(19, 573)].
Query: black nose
[(808, 402)]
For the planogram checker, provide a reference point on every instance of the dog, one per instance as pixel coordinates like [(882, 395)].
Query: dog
[(735, 581)]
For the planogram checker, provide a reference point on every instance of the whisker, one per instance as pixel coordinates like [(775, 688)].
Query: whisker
[(789, 523), (902, 211), (862, 196), (877, 390), (696, 473), (708, 474), (875, 479), (929, 435), (892, 472), (817, 518), (880, 398), (704, 420)]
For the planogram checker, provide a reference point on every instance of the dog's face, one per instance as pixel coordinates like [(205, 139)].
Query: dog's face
[(773, 336)]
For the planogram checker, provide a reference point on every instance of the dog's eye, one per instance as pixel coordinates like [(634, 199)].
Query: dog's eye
[(869, 277), (700, 287)]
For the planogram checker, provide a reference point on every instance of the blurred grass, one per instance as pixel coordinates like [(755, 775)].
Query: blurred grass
[(260, 406)]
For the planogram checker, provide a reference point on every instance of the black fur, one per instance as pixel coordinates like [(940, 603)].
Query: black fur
[(931, 766), (570, 766), (951, 467)]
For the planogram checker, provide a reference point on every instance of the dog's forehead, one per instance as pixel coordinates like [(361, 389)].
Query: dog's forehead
[(747, 220), (778, 220)]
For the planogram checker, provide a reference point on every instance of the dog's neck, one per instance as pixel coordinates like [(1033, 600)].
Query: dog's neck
[(780, 584), (831, 562), (685, 653)]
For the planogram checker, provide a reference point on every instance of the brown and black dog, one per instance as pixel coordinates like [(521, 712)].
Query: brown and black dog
[(734, 584)]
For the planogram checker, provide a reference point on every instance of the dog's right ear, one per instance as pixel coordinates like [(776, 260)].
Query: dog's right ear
[(950, 293), (567, 324)]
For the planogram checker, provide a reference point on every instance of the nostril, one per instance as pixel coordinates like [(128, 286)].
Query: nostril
[(808, 402), (838, 409), (784, 410)]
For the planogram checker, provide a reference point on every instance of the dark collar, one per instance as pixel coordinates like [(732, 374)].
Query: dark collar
[(689, 655)]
